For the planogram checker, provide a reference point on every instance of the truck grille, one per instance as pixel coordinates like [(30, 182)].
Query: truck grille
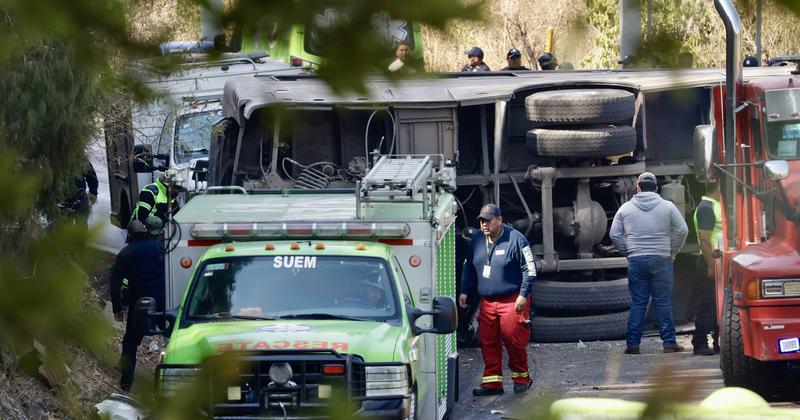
[(251, 393)]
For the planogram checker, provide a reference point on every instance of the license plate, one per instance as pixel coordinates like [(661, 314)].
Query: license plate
[(791, 288), (788, 345)]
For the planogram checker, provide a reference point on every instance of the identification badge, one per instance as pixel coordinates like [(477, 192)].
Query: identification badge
[(500, 252), (487, 271)]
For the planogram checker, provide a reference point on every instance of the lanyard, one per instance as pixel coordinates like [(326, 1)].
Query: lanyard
[(490, 253)]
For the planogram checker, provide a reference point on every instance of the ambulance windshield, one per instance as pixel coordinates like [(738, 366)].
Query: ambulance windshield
[(293, 287)]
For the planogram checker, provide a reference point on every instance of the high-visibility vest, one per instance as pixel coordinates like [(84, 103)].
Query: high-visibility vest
[(716, 233), (160, 198)]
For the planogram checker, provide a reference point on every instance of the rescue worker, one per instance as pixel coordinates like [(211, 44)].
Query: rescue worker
[(475, 57), (514, 59), (547, 61), (142, 263), (708, 225), (79, 205), (500, 260), (153, 201), (402, 53), (649, 231)]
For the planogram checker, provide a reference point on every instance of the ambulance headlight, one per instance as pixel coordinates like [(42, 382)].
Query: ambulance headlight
[(170, 380), (387, 381), (780, 288)]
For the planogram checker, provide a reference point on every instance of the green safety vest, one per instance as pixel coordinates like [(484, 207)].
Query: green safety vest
[(716, 233), (161, 200)]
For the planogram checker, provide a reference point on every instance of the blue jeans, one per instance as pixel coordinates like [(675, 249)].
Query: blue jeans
[(650, 275)]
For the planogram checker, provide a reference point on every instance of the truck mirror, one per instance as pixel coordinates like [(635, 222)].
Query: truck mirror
[(776, 169), (146, 320), (445, 321), (445, 316), (142, 158), (704, 152)]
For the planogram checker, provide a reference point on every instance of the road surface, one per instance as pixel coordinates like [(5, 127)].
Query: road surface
[(111, 238)]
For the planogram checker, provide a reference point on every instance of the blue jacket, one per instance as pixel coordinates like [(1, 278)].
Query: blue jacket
[(512, 265), (142, 263)]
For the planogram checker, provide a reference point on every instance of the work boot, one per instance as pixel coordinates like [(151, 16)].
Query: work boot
[(675, 348), (485, 392), (632, 350), (702, 351), (520, 388)]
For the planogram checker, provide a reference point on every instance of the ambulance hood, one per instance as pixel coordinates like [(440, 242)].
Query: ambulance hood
[(373, 341)]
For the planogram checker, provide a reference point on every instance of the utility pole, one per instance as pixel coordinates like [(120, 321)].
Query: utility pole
[(630, 27), (759, 10)]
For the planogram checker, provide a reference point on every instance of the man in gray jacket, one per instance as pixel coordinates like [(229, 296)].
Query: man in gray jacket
[(649, 231)]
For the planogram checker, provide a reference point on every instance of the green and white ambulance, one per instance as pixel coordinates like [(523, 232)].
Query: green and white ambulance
[(318, 293)]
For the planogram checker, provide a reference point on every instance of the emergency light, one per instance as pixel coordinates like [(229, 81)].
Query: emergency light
[(342, 230)]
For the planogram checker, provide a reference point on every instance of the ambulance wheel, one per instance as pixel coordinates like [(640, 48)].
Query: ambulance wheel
[(580, 106), (577, 142), (591, 296), (546, 329)]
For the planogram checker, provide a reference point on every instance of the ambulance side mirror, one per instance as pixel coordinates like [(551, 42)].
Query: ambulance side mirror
[(445, 316), (146, 319)]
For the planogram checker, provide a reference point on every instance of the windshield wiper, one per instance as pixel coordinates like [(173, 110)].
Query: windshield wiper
[(320, 315), (228, 315)]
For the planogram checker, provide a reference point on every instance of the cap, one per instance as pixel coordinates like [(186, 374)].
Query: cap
[(547, 61), (489, 212), (474, 52), (136, 227), (513, 53), (646, 177), (154, 225), (750, 61)]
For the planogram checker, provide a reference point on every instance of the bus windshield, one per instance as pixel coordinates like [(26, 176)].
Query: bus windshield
[(783, 140), (293, 287), (193, 134)]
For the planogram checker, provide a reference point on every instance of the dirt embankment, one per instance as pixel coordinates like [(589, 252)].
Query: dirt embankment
[(26, 394)]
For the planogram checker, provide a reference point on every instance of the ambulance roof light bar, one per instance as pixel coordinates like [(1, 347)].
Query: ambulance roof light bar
[(297, 230)]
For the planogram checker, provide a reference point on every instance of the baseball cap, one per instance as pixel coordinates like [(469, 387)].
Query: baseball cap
[(489, 212), (646, 177), (153, 224), (512, 53), (474, 52)]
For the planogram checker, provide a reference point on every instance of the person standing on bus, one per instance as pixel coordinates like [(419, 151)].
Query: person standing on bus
[(500, 260)]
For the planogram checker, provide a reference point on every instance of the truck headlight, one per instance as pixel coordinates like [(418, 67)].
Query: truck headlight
[(780, 288), (387, 381), (170, 380)]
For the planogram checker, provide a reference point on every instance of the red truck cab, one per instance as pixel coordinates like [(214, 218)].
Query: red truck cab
[(758, 269)]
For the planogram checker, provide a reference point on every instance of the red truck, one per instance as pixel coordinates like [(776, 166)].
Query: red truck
[(757, 162)]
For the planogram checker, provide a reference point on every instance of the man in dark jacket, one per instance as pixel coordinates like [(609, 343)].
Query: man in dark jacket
[(500, 260), (142, 263), (514, 58), (475, 56)]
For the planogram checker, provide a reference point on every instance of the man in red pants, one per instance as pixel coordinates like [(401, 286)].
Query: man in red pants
[(500, 260)]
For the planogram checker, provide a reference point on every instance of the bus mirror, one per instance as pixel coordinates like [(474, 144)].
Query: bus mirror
[(704, 152), (445, 316), (142, 158), (776, 169)]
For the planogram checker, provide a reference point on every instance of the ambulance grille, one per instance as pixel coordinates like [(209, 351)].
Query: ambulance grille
[(252, 393)]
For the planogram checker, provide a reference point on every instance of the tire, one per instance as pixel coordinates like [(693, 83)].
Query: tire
[(737, 368), (584, 328), (612, 295), (580, 106), (589, 142)]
